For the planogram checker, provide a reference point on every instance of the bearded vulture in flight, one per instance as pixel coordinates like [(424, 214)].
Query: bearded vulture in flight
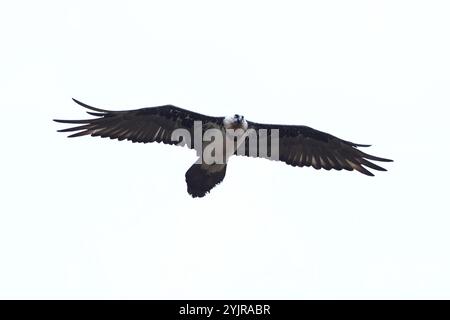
[(297, 146)]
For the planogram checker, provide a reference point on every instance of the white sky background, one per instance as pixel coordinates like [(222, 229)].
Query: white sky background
[(95, 218)]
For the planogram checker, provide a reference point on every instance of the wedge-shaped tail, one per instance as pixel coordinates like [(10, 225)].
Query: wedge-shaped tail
[(201, 178)]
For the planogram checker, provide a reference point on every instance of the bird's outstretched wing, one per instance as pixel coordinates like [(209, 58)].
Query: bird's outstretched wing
[(154, 124), (304, 146)]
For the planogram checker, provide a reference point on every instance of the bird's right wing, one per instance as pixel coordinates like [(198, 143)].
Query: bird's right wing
[(154, 124)]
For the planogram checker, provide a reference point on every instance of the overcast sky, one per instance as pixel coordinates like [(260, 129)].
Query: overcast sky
[(96, 218)]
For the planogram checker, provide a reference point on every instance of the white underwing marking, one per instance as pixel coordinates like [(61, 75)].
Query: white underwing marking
[(331, 162), (156, 134), (295, 157), (352, 164), (124, 132)]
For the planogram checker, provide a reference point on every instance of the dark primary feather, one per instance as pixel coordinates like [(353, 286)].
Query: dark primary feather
[(304, 146), (154, 124), (298, 145)]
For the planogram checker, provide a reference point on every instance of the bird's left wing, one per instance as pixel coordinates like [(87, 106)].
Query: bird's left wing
[(154, 124), (304, 146)]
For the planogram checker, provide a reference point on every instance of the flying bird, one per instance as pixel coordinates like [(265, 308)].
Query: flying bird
[(296, 145)]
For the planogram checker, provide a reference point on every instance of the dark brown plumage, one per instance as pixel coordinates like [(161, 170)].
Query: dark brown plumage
[(298, 145), (301, 146)]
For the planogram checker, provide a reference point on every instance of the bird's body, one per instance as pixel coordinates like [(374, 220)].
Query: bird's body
[(216, 139)]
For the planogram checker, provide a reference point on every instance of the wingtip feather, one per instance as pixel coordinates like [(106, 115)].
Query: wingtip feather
[(79, 134), (88, 106)]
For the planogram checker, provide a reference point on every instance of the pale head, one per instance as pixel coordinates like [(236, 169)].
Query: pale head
[(235, 122)]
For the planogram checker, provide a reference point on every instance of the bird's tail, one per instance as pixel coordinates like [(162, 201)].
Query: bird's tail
[(201, 178)]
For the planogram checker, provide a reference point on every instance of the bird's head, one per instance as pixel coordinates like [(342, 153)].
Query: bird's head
[(235, 122)]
